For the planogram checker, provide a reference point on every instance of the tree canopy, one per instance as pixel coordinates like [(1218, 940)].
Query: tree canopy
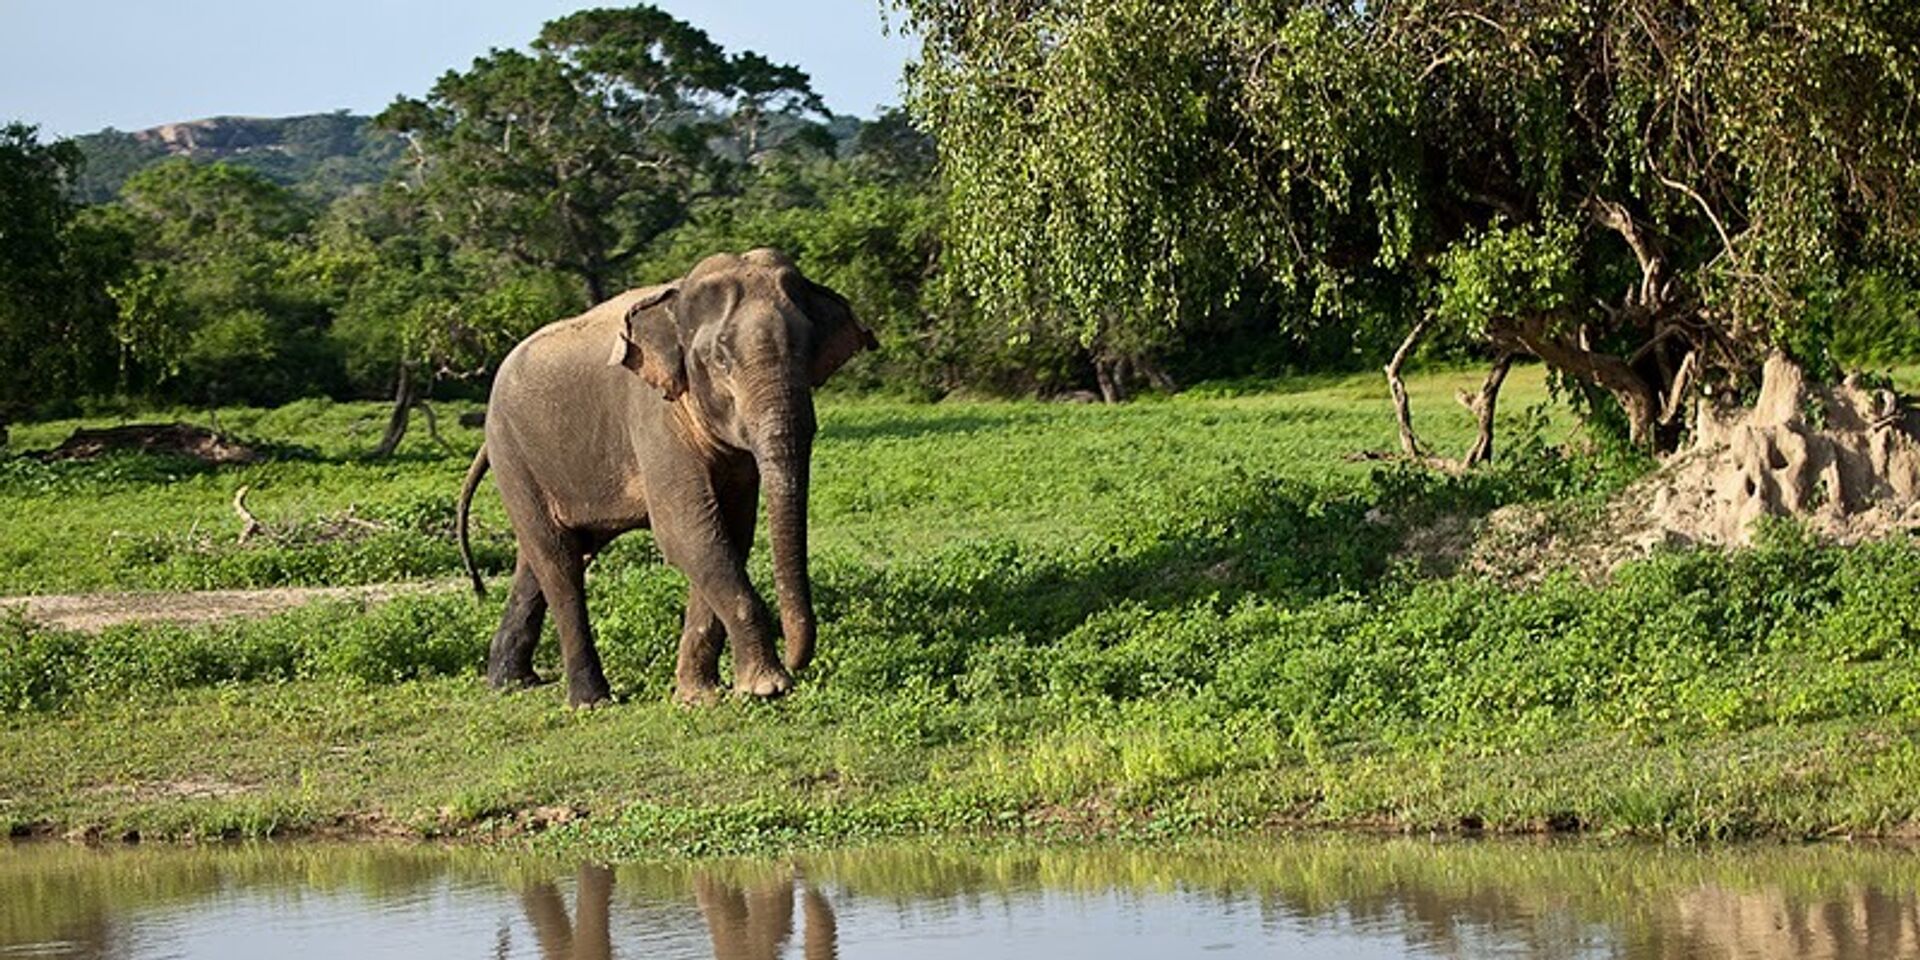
[(575, 156), (56, 332), (1646, 194)]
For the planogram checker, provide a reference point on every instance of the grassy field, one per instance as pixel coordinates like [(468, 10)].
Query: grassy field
[(1183, 616), (894, 481)]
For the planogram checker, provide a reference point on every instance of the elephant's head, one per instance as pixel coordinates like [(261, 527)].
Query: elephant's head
[(740, 342)]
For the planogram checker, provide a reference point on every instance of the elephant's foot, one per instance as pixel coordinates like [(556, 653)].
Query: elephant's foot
[(699, 693), (762, 680), (588, 701), (510, 661), (508, 681), (587, 692)]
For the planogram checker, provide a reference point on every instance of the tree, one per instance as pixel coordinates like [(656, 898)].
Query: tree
[(1652, 195), (1085, 187), (56, 325), (412, 306), (575, 156), (211, 305), (1649, 195)]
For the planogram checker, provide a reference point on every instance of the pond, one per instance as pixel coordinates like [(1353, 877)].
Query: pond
[(1339, 896)]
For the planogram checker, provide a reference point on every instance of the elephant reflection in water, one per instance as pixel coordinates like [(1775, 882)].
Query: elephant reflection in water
[(754, 923), (589, 935), (751, 923)]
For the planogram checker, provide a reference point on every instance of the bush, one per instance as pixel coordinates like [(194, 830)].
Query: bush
[(1876, 321)]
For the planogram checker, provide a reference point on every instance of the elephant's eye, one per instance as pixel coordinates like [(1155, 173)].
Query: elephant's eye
[(724, 362)]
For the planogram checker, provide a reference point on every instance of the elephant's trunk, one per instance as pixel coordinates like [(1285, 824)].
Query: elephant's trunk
[(784, 453)]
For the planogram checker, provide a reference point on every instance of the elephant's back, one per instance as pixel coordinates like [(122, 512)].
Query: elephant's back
[(555, 395), (584, 339), (573, 351)]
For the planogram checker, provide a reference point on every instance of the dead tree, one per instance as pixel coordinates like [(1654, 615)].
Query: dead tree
[(405, 395)]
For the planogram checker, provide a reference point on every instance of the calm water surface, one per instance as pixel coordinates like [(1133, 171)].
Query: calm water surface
[(1323, 897)]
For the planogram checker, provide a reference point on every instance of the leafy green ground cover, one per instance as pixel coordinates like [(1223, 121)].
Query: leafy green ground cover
[(1178, 617)]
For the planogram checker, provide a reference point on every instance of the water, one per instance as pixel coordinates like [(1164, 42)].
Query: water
[(1339, 897)]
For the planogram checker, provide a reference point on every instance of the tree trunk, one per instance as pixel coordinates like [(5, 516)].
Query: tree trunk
[(1616, 376), (1482, 405), (1108, 373), (1402, 410), (405, 395)]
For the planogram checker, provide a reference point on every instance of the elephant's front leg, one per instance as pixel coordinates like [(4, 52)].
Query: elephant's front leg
[(709, 544), (757, 670), (721, 580), (696, 677)]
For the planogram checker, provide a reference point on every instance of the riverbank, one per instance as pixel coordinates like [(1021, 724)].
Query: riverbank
[(443, 759), (1187, 618)]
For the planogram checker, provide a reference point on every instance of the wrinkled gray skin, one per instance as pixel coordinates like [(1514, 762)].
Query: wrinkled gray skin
[(666, 407)]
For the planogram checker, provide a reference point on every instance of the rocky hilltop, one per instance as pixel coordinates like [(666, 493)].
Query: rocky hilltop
[(216, 137), (324, 154)]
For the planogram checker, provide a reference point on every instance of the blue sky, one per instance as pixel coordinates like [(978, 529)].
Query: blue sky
[(75, 66)]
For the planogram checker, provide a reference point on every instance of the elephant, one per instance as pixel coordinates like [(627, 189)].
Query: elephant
[(666, 407), (745, 923)]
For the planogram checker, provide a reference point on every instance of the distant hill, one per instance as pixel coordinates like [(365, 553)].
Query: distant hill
[(321, 154)]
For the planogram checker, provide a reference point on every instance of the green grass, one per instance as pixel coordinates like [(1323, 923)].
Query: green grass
[(1177, 618), (893, 481)]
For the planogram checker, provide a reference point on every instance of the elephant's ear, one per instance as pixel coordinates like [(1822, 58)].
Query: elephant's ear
[(649, 344), (837, 336)]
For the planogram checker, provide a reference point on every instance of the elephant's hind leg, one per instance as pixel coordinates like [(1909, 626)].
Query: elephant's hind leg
[(559, 564), (510, 656)]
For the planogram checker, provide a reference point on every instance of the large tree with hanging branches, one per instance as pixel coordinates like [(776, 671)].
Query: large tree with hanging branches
[(1648, 195)]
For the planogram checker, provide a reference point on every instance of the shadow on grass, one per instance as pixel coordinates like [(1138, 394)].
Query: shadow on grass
[(930, 621), (920, 426)]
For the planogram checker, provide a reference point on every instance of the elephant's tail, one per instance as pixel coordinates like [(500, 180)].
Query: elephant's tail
[(474, 473)]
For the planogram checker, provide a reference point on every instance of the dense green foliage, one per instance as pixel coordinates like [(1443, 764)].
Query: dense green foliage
[(1875, 321), (577, 156), (1131, 171), (1193, 625), (57, 332), (624, 146), (1646, 194)]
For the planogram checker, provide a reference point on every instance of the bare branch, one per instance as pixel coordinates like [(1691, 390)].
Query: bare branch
[(1402, 410), (1682, 382), (250, 523)]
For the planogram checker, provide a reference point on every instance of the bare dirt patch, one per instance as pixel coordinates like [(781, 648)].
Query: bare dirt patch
[(92, 612), (188, 788)]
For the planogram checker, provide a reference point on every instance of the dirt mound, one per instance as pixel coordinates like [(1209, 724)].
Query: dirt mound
[(180, 439), (1842, 460)]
